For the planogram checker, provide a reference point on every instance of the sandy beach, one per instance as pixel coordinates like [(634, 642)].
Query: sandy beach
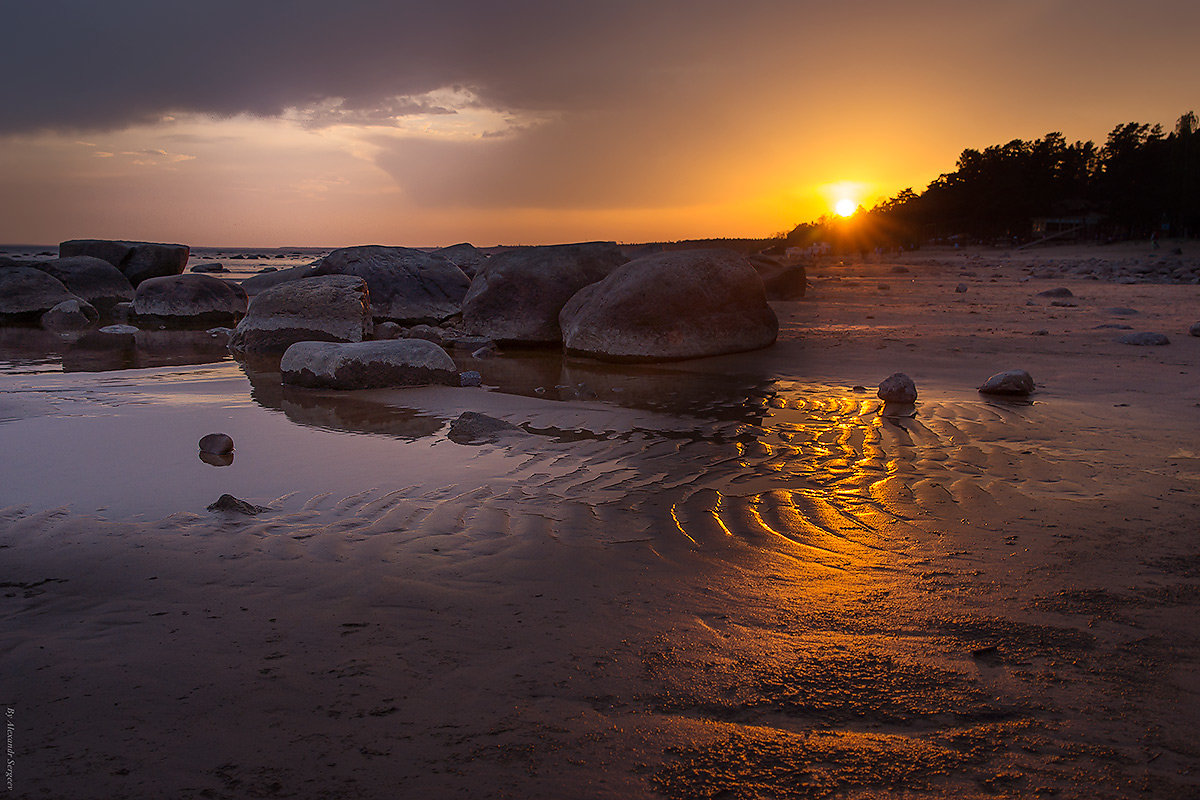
[(728, 577)]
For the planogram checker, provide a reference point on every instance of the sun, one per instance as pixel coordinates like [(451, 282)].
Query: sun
[(845, 207)]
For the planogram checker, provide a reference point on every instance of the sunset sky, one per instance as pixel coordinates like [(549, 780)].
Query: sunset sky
[(239, 122)]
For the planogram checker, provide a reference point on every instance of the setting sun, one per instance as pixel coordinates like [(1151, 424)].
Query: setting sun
[(845, 207)]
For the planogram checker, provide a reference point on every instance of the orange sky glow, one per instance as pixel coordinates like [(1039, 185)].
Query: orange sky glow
[(630, 124)]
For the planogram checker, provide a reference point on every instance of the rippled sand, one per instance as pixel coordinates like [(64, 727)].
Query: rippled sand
[(728, 578)]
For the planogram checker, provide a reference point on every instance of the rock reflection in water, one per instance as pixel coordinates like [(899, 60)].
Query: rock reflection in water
[(97, 351), (667, 388), (338, 411)]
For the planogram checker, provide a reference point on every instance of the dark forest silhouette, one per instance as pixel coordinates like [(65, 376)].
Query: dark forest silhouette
[(1142, 182)]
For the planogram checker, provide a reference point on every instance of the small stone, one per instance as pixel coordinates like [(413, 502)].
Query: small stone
[(1121, 311), (961, 288), (1013, 382), (471, 427), (216, 443), (1145, 339), (119, 329), (487, 351), (1040, 332), (1061, 291), (470, 378), (388, 330), (1195, 329), (228, 502), (898, 388)]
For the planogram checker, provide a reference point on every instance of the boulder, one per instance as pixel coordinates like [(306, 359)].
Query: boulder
[(139, 261), (1012, 382), (91, 279), (781, 281), (897, 388), (1145, 339), (70, 315), (331, 308), (407, 286), (367, 365), (467, 257), (517, 296), (214, 266), (671, 305), (256, 284), (471, 427), (190, 301), (27, 293)]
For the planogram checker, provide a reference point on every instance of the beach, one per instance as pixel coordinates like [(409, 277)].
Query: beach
[(723, 577)]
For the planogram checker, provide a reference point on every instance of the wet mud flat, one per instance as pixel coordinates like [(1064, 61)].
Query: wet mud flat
[(726, 579)]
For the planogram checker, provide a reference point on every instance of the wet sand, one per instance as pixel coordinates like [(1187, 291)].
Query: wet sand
[(720, 578)]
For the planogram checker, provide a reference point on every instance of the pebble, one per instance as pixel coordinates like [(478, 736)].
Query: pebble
[(219, 444), (1194, 330), (1061, 291), (962, 287), (470, 378)]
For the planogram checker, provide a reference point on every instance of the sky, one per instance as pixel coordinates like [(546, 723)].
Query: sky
[(253, 123)]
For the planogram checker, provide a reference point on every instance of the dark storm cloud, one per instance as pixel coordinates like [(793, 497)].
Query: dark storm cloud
[(78, 65)]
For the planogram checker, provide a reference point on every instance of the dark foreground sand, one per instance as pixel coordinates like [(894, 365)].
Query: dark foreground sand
[(723, 578)]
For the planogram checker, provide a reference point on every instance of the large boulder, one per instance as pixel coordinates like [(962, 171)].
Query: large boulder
[(516, 298), (672, 305), (256, 284), (467, 257), (91, 279), (781, 281), (139, 261), (27, 293), (367, 365), (406, 285), (330, 308), (188, 301)]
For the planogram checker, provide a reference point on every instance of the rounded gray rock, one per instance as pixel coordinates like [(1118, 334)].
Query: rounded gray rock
[(406, 285), (518, 295), (70, 315), (1012, 382), (138, 261), (367, 365), (1145, 339), (27, 293), (91, 279), (219, 444), (669, 306), (1195, 329), (897, 388), (188, 301), (330, 308)]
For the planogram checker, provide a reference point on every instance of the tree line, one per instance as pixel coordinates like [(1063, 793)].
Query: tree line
[(1143, 181)]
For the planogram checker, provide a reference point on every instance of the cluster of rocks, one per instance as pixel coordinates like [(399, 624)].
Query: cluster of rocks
[(382, 312), (589, 299), (95, 282), (1168, 268)]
